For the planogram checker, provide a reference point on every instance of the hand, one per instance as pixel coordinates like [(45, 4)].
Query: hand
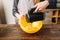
[(18, 16), (41, 6)]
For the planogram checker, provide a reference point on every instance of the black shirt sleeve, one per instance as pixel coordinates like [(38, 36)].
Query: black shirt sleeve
[(52, 4), (15, 9)]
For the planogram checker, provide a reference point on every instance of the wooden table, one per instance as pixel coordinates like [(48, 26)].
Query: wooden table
[(14, 32)]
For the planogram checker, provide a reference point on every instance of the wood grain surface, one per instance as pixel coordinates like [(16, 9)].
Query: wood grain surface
[(14, 32)]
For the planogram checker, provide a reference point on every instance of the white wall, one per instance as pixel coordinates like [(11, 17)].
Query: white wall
[(0, 8), (8, 11), (0, 3)]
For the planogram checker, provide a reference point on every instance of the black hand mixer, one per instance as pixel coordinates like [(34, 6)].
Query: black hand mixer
[(32, 16)]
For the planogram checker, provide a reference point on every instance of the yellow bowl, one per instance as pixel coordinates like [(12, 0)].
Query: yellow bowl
[(29, 27)]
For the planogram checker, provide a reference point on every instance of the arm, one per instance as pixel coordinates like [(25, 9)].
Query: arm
[(52, 4), (50, 1), (45, 4), (15, 9), (41, 5)]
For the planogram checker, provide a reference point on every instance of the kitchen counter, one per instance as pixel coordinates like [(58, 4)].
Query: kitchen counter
[(14, 32)]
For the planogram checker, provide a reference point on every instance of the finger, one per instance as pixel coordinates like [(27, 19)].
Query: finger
[(41, 9), (36, 9), (22, 15)]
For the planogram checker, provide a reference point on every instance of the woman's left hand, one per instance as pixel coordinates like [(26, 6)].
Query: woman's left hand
[(41, 6)]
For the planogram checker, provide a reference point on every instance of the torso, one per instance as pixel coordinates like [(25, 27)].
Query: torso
[(24, 5)]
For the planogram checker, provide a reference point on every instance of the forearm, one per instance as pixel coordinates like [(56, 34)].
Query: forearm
[(55, 1), (15, 9), (52, 3)]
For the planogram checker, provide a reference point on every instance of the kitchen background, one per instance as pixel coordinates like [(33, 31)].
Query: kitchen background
[(6, 16)]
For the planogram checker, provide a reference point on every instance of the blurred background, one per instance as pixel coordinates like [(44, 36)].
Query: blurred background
[(6, 12), (6, 16)]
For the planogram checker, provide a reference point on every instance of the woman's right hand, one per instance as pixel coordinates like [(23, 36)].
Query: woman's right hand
[(18, 16)]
